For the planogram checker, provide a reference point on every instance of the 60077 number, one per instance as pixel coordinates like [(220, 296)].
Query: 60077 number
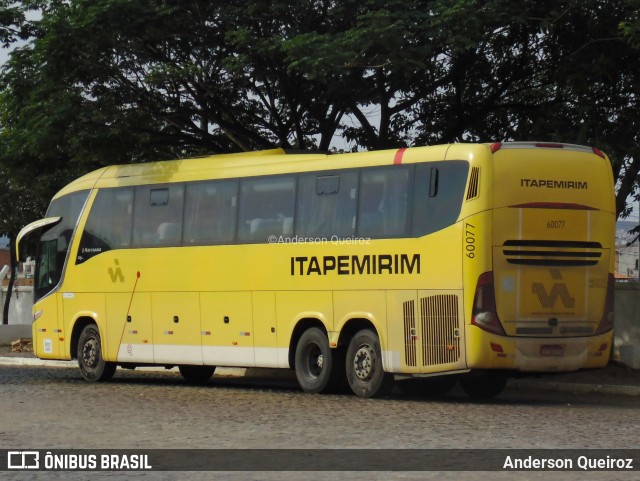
[(555, 224), (470, 240)]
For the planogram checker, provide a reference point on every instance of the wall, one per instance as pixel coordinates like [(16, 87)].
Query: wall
[(20, 316), (627, 324), (20, 305)]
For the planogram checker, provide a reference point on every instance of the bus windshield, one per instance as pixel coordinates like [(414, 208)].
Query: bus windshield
[(56, 240)]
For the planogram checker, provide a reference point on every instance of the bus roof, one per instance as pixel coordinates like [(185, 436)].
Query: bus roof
[(267, 162), (278, 161)]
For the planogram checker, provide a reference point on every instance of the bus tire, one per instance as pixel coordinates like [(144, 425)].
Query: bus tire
[(92, 365), (196, 374), (314, 361), (364, 369), (483, 386)]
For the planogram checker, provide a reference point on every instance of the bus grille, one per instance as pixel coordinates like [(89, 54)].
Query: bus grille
[(438, 331), (552, 253), (474, 182), (410, 336)]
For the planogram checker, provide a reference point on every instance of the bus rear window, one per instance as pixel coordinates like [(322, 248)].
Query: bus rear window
[(438, 194)]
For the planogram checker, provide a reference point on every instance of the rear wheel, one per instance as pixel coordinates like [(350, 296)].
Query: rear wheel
[(483, 386), (314, 362), (92, 365), (365, 373), (196, 374)]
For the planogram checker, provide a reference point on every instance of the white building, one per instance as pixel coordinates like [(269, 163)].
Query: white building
[(627, 255)]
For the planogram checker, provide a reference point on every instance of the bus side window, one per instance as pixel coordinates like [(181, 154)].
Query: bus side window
[(157, 215), (210, 212), (326, 205), (266, 208), (383, 207), (437, 195), (109, 223)]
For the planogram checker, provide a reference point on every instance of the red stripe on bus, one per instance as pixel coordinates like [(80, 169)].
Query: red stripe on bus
[(397, 159)]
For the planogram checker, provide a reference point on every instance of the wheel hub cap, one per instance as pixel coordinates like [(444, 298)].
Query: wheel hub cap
[(89, 353), (363, 363), (315, 362)]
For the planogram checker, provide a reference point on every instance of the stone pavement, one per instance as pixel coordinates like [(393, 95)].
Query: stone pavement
[(615, 379)]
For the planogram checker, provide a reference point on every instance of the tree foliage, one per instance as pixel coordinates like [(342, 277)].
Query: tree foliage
[(114, 81)]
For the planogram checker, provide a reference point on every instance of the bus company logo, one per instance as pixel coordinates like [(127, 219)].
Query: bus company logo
[(554, 184), (558, 291), (116, 274), (23, 460), (356, 265)]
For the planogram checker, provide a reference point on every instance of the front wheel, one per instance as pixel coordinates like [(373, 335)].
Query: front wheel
[(365, 373), (92, 365)]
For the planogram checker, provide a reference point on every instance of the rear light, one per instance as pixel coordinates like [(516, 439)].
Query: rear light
[(548, 145), (545, 145), (606, 324), (485, 314)]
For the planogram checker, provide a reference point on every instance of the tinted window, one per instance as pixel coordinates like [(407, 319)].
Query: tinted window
[(266, 208), (438, 193), (157, 215), (327, 205), (210, 212), (109, 223), (383, 206), (56, 241)]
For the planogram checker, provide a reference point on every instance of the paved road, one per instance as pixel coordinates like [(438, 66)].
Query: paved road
[(53, 408)]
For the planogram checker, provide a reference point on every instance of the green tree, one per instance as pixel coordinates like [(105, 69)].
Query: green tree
[(596, 82), (181, 78), (21, 197), (16, 201)]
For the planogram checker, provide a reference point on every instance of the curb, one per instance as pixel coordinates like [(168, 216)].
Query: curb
[(517, 384), (35, 362), (575, 387), (31, 361)]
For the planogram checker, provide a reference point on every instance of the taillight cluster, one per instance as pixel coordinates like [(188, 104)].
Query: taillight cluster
[(544, 145), (606, 324), (485, 314)]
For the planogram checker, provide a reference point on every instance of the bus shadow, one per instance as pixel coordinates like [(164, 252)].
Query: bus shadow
[(509, 397), (526, 397)]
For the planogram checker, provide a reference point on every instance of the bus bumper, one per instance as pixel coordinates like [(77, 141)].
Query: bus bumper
[(490, 351)]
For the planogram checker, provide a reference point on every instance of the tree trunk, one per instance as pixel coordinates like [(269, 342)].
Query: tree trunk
[(12, 272)]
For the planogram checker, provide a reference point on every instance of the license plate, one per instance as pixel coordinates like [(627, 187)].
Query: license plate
[(552, 350)]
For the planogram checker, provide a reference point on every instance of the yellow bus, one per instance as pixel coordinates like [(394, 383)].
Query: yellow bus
[(426, 266)]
